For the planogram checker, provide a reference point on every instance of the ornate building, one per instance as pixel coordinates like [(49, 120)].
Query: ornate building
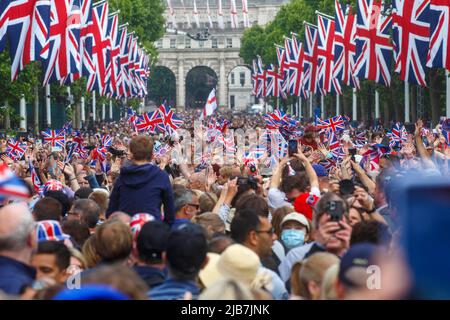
[(199, 66)]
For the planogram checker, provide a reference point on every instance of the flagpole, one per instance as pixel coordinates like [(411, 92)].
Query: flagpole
[(110, 110), (447, 113), (322, 106), (83, 111), (94, 107), (377, 104), (103, 111), (355, 115), (299, 108), (407, 119), (311, 105), (23, 113), (338, 104), (48, 105)]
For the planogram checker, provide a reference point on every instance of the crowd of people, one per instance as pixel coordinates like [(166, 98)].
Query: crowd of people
[(145, 225)]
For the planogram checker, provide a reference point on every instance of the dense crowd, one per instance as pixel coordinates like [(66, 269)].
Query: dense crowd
[(143, 223)]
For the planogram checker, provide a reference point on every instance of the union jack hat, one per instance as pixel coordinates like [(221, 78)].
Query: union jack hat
[(50, 230), (137, 221), (53, 185)]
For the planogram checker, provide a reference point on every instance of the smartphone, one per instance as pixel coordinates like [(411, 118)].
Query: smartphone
[(352, 152), (292, 147), (336, 210)]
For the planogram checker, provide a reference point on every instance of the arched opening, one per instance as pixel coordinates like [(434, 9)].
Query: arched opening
[(199, 83), (240, 88), (162, 86)]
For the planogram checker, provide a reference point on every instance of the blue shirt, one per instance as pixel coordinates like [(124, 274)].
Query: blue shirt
[(174, 290), (15, 276), (179, 222), (294, 255)]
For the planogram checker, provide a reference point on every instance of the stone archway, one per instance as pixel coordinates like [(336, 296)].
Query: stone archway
[(162, 86), (200, 80)]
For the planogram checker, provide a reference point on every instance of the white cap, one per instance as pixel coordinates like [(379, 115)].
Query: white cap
[(295, 216)]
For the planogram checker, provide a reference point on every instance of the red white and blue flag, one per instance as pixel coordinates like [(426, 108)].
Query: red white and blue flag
[(335, 124), (34, 177), (11, 186), (149, 122), (112, 57), (56, 138), (311, 59), (296, 58), (15, 149), (439, 52), (411, 36), (397, 135), (170, 121), (106, 140), (326, 81), (373, 43), (345, 45), (62, 52)]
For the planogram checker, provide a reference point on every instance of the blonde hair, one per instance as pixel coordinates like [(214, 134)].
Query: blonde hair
[(79, 256), (313, 269), (101, 198), (90, 253), (211, 222), (207, 201), (328, 288)]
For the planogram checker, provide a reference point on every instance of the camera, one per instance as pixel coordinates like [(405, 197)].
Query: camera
[(292, 147), (336, 210), (250, 181)]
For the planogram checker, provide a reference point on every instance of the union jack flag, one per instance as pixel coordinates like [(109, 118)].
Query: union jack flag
[(373, 44), (10, 185), (27, 24), (52, 185), (149, 122), (345, 45), (411, 36), (328, 164), (34, 177), (106, 141), (15, 149), (275, 119), (170, 121), (78, 141), (99, 154), (335, 147), (446, 135), (62, 50), (4, 6), (262, 78), (67, 127), (296, 59), (335, 124), (255, 80), (112, 69), (439, 53), (398, 134), (326, 81), (360, 139), (283, 69), (56, 138), (311, 59), (100, 45), (122, 78), (274, 82), (86, 39)]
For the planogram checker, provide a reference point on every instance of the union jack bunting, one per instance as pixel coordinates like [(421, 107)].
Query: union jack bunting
[(100, 45), (149, 122), (296, 59), (411, 36), (311, 59), (34, 177), (345, 45), (62, 50), (27, 24), (15, 149), (10, 185), (326, 81), (170, 121), (439, 52), (55, 138), (373, 45)]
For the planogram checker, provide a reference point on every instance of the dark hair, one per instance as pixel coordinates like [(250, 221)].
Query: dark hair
[(141, 147), (59, 249), (321, 206), (219, 243), (371, 231), (62, 198), (78, 230), (242, 188), (243, 222), (47, 208), (299, 181), (296, 165), (89, 211), (255, 202), (186, 251), (152, 240), (83, 193)]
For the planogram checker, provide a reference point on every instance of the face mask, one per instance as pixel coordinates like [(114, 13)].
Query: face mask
[(293, 238)]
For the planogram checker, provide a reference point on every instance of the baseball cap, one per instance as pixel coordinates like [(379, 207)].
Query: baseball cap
[(320, 170), (304, 204), (187, 248), (354, 264), (295, 216), (152, 239), (50, 230), (91, 292)]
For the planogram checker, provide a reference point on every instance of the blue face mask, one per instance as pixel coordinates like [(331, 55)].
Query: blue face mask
[(293, 238)]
